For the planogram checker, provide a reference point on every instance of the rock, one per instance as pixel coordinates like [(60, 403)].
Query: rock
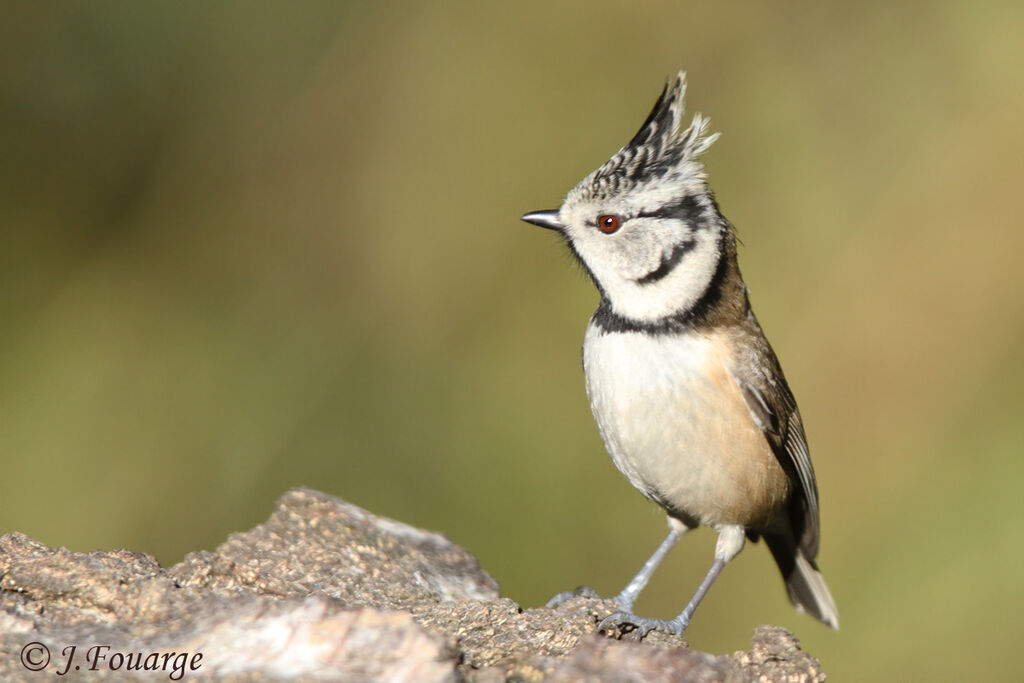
[(776, 656), (315, 544), (326, 590)]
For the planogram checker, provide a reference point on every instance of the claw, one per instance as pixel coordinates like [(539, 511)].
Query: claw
[(621, 623), (566, 596), (616, 625)]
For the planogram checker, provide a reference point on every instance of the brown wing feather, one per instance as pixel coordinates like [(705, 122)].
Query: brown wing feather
[(774, 409)]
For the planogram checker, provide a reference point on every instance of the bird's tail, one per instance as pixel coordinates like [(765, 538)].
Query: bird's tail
[(806, 586)]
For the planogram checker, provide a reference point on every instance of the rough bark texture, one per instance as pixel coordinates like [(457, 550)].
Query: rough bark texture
[(325, 590)]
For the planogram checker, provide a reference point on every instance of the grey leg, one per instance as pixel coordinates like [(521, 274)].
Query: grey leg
[(627, 598), (730, 543)]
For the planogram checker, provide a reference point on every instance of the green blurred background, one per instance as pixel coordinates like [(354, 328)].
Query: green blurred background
[(250, 246)]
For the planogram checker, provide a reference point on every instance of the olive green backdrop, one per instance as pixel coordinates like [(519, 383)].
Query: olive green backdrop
[(250, 246)]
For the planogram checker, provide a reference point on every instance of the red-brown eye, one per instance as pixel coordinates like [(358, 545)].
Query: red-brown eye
[(608, 224)]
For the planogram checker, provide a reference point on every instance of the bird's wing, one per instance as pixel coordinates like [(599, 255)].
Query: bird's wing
[(774, 410)]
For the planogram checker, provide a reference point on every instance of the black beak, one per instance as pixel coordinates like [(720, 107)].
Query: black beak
[(545, 219)]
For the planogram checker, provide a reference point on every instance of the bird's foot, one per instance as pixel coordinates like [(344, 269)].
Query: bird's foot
[(566, 596), (621, 623)]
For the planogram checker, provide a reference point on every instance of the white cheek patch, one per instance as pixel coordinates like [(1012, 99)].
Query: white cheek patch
[(678, 290), (643, 249)]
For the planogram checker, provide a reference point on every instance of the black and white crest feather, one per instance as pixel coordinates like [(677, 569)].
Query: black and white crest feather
[(659, 152)]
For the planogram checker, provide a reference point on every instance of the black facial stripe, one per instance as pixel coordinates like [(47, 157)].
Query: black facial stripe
[(668, 262), (688, 210)]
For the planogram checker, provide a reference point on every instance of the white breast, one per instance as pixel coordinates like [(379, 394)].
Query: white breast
[(675, 423)]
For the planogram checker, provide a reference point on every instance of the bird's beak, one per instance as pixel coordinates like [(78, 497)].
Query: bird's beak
[(545, 219)]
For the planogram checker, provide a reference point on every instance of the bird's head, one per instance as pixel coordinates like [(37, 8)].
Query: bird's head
[(645, 225)]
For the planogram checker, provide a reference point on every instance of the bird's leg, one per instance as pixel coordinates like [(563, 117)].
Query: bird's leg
[(730, 543), (628, 596)]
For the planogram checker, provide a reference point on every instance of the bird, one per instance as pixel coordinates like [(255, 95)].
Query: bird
[(687, 393)]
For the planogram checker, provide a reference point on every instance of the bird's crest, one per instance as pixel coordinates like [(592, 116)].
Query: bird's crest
[(659, 151)]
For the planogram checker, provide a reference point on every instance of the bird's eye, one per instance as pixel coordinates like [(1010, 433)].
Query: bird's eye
[(608, 224)]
